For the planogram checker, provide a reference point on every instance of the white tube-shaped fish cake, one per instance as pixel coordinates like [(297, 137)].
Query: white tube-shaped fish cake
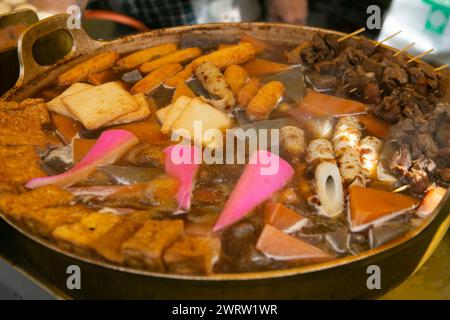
[(329, 199), (346, 140), (370, 148), (214, 82)]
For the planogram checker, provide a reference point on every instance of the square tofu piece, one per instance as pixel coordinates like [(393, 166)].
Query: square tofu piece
[(146, 247), (80, 237), (18, 164), (58, 106), (44, 221), (14, 205), (141, 113), (99, 105), (192, 255), (21, 128)]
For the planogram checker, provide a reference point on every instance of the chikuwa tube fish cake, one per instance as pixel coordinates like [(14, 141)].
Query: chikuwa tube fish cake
[(346, 141), (265, 101), (329, 193), (370, 149), (214, 82)]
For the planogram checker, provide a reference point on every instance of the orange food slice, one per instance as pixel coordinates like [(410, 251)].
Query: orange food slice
[(81, 147), (182, 90), (260, 67), (146, 131), (369, 206), (66, 126), (431, 201), (283, 218), (277, 245), (317, 104), (259, 44), (374, 126)]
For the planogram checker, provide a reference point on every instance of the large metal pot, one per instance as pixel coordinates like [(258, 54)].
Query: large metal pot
[(342, 278)]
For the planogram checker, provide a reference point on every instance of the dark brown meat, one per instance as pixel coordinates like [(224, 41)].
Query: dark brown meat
[(145, 155), (394, 77), (427, 145), (401, 161)]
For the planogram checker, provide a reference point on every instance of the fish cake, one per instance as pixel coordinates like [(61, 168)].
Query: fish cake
[(146, 247)]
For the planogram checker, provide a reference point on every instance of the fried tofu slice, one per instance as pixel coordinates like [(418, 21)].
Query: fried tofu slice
[(14, 205), (140, 57), (192, 255), (145, 248), (19, 164), (35, 109), (58, 106), (80, 237), (180, 56), (81, 71), (17, 130), (99, 105), (44, 221), (156, 77), (139, 114)]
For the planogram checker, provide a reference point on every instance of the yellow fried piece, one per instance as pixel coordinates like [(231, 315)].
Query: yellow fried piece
[(146, 247), (265, 100), (248, 91), (19, 164), (182, 90), (155, 78), (180, 56), (136, 59), (224, 58), (14, 205), (43, 221), (180, 77), (81, 71), (236, 77)]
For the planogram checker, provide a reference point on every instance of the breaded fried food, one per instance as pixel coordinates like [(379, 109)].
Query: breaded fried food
[(43, 221), (145, 247), (9, 106), (80, 237), (35, 109), (14, 205), (156, 77), (265, 100), (136, 59), (248, 91), (109, 245), (224, 58), (192, 255), (180, 56), (81, 71), (19, 164), (180, 77), (236, 77)]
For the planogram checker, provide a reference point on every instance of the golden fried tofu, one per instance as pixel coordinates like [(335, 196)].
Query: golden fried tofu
[(146, 247), (81, 236), (14, 205), (19, 164), (109, 245), (35, 109), (9, 105), (192, 255), (18, 129), (44, 221)]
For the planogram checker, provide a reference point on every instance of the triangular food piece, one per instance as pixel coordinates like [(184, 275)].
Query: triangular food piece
[(283, 218), (317, 104), (371, 206), (277, 245)]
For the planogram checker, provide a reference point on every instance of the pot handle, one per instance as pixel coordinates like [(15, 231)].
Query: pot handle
[(29, 67)]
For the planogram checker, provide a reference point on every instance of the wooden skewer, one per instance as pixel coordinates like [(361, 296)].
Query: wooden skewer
[(387, 38), (419, 56), (351, 34), (444, 66), (346, 86), (409, 46), (353, 90)]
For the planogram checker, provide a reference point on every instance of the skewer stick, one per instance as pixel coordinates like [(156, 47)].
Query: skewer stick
[(444, 66), (346, 86), (409, 46), (353, 90), (387, 38), (354, 33), (419, 56)]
